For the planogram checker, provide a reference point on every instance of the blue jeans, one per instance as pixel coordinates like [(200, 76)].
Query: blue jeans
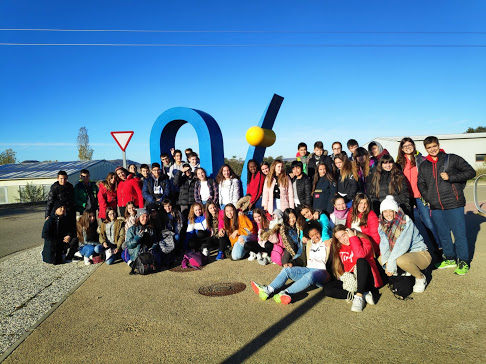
[(424, 213), (89, 250), (303, 278), (452, 220), (238, 252)]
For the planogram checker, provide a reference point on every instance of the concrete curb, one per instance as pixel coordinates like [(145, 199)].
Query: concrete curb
[(44, 317)]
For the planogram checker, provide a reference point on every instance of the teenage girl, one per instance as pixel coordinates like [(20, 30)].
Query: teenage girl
[(262, 248), (346, 184), (106, 195), (235, 230), (213, 216), (128, 189), (255, 181), (363, 219), (205, 188), (112, 236), (197, 228), (228, 186), (323, 189), (277, 189), (307, 270), (352, 252), (340, 212), (361, 164), (89, 240), (130, 216)]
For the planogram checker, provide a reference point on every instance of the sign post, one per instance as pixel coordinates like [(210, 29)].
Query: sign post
[(122, 138)]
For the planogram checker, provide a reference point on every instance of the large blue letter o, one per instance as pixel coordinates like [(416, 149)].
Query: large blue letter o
[(162, 137)]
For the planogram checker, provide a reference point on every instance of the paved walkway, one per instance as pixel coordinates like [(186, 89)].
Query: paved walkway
[(115, 317)]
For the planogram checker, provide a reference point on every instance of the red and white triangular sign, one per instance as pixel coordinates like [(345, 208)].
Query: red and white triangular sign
[(122, 138)]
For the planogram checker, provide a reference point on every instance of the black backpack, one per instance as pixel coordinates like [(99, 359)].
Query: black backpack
[(401, 286), (144, 264)]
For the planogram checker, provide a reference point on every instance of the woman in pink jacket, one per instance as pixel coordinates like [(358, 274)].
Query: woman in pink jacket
[(277, 190)]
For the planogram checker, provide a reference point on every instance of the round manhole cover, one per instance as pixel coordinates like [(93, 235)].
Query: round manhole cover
[(222, 289), (179, 269)]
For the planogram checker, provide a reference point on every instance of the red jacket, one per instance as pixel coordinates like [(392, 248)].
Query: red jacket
[(255, 187), (129, 190), (106, 198), (370, 229), (359, 248)]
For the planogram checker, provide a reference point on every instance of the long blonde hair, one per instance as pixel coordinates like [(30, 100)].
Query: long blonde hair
[(283, 179)]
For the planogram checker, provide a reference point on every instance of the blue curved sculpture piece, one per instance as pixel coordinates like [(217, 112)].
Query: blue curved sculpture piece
[(266, 122), (165, 128)]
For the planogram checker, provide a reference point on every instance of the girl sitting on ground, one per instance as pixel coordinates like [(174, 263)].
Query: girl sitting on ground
[(140, 238), (340, 213), (213, 217), (89, 240), (197, 228), (235, 230), (352, 252), (261, 250), (307, 270), (112, 236), (130, 216), (363, 219), (308, 214), (173, 221), (401, 244)]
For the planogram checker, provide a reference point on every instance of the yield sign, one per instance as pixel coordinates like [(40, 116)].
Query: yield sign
[(122, 138)]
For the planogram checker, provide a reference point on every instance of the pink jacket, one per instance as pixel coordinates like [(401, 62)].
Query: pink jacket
[(286, 196)]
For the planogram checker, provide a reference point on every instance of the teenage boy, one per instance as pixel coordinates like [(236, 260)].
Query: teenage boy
[(317, 157), (441, 181), (57, 235), (145, 171), (301, 184), (157, 187), (303, 155), (85, 193), (185, 180), (178, 163), (193, 161), (166, 164), (188, 153), (352, 145)]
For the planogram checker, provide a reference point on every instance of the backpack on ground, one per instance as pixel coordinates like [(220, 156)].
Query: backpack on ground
[(166, 243), (193, 260), (144, 264), (401, 286)]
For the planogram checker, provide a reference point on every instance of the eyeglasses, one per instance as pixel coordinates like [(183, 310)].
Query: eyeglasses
[(407, 146)]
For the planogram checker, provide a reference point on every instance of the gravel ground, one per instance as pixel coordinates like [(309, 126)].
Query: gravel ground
[(29, 288)]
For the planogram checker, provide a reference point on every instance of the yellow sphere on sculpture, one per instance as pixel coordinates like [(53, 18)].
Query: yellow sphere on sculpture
[(259, 137)]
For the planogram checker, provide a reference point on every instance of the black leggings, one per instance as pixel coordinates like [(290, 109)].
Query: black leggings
[(364, 277), (223, 243), (254, 247), (210, 242)]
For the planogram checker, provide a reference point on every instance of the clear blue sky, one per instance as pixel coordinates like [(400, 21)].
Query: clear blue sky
[(331, 93)]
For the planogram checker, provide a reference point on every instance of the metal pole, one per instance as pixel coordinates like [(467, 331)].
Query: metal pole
[(124, 160)]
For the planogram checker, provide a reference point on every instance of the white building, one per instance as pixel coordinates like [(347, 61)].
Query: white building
[(16, 176), (470, 146)]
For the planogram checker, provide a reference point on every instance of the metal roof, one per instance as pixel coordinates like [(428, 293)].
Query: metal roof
[(44, 169), (439, 136)]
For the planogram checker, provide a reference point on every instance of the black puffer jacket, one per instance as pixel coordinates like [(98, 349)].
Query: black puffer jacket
[(347, 188), (441, 194), (304, 189), (64, 193), (186, 185), (402, 197), (53, 233), (314, 161)]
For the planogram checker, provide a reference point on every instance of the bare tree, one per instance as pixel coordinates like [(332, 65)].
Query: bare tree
[(8, 156), (85, 152)]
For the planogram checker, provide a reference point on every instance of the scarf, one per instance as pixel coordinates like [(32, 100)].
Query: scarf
[(394, 228), (341, 214)]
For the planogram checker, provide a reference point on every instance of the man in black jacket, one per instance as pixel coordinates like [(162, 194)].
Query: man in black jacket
[(156, 187), (63, 191), (186, 181), (301, 184), (441, 181)]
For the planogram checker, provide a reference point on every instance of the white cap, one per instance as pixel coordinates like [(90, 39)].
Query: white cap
[(389, 203)]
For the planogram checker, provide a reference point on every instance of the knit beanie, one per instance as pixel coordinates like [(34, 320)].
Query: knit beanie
[(141, 212), (278, 214), (58, 204), (389, 203)]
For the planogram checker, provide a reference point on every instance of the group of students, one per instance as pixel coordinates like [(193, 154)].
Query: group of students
[(327, 219)]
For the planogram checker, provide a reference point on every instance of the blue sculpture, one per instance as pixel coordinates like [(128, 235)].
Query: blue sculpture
[(266, 122), (163, 134)]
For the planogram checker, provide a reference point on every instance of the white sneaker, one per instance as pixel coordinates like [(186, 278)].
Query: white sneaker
[(78, 254), (264, 255), (369, 298), (252, 256), (87, 261), (259, 256), (358, 304), (108, 253), (264, 261), (205, 252), (420, 284)]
